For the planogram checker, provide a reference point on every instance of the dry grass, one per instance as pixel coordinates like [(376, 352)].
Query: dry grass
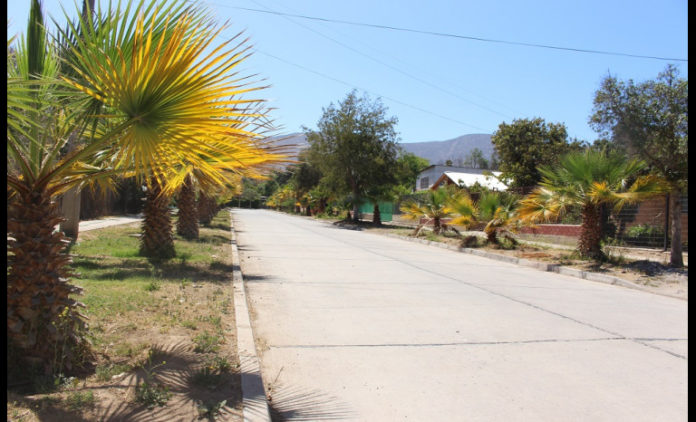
[(163, 333)]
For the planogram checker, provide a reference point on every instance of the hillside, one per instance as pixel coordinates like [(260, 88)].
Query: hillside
[(437, 152)]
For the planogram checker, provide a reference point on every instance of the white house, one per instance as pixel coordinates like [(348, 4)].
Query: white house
[(435, 176)]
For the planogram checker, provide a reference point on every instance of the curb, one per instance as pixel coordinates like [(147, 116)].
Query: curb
[(254, 403), (573, 272)]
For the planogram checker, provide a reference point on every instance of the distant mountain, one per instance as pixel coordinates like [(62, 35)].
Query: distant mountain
[(457, 149), (437, 152)]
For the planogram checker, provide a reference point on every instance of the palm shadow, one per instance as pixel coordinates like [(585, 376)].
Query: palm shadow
[(303, 404)]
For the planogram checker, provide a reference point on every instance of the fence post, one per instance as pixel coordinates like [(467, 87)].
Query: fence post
[(666, 222)]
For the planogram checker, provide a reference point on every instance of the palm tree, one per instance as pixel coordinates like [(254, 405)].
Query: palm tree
[(163, 93), (501, 213), (438, 205), (588, 180), (40, 312)]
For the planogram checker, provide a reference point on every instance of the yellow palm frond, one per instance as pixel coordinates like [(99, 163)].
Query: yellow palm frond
[(176, 100)]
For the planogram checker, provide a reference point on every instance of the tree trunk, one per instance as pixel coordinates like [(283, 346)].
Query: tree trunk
[(437, 225), (43, 322), (207, 208), (675, 259), (187, 224), (70, 208), (376, 216), (589, 243), (157, 240), (492, 236)]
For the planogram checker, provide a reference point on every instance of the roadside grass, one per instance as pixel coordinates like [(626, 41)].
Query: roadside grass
[(137, 308)]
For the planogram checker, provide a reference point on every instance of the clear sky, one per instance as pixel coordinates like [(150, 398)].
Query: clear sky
[(443, 87)]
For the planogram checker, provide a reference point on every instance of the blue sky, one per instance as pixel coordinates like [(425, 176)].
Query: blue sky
[(440, 88)]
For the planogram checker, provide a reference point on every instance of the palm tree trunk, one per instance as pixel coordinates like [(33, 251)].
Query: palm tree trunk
[(437, 225), (207, 208), (43, 322), (187, 224), (675, 259), (492, 236), (157, 240), (589, 244)]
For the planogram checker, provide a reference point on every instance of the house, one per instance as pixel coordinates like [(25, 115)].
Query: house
[(435, 176)]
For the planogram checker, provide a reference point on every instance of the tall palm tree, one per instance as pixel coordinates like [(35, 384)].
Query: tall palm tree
[(440, 204), (588, 180), (163, 92), (41, 315)]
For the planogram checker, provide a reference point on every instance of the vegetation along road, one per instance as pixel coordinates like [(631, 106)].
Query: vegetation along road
[(358, 326)]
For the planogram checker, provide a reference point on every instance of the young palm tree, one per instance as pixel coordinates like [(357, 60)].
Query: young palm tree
[(438, 205), (501, 214), (588, 180)]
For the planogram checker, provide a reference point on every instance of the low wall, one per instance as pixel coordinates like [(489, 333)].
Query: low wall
[(553, 229)]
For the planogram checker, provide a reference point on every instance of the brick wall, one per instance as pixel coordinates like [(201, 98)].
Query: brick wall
[(553, 229)]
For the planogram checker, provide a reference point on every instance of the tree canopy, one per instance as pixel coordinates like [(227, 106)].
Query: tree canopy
[(525, 143), (355, 147), (650, 120)]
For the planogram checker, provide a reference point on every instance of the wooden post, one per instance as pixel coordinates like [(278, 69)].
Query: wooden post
[(666, 236), (70, 208)]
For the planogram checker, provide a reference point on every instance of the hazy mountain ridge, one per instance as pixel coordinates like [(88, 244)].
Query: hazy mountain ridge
[(437, 152)]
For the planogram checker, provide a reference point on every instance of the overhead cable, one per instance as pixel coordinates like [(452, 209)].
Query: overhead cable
[(466, 37)]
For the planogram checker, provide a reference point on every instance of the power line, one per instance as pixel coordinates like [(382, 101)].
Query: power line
[(443, 34), (363, 89), (430, 84), (403, 72)]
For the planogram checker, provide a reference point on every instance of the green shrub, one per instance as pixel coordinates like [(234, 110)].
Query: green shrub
[(645, 235), (77, 400)]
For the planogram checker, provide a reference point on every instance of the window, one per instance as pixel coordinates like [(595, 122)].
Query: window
[(424, 183)]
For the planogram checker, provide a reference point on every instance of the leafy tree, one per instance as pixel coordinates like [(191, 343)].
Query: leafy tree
[(305, 177), (475, 159), (587, 180), (355, 147), (408, 167), (650, 120), (523, 144)]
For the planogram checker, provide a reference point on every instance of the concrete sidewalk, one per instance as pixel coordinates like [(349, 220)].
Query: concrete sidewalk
[(108, 221)]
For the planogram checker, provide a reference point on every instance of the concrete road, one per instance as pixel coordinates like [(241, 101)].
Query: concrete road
[(357, 326)]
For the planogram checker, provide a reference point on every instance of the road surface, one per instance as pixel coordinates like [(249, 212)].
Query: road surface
[(358, 326)]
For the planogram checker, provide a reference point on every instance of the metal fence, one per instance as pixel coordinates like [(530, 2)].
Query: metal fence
[(647, 224)]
